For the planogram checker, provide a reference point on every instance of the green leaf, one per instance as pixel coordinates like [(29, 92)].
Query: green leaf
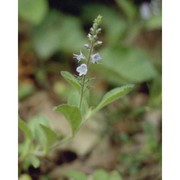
[(76, 175), (32, 10), (71, 80), (35, 125), (100, 174), (128, 8), (114, 175), (72, 114), (25, 90), (31, 160), (126, 65), (51, 137), (74, 97), (35, 161), (26, 130), (114, 95), (154, 23), (55, 34), (25, 177)]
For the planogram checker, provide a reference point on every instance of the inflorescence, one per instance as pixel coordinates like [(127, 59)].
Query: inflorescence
[(91, 57)]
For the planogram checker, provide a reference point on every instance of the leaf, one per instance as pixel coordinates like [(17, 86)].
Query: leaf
[(51, 137), (35, 161), (100, 174), (55, 34), (31, 160), (32, 10), (114, 175), (114, 95), (71, 80), (76, 175), (72, 114), (128, 64), (24, 177), (26, 130), (154, 23), (35, 125), (74, 97), (25, 90), (128, 8)]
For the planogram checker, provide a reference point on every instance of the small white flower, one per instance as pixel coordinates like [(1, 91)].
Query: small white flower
[(79, 57), (99, 42), (95, 36), (91, 29), (99, 29), (86, 45), (82, 69), (89, 35), (96, 58)]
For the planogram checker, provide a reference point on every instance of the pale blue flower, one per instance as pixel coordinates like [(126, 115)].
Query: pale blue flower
[(86, 45), (79, 57), (95, 58), (82, 69)]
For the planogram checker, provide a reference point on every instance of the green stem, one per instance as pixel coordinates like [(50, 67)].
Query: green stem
[(84, 76)]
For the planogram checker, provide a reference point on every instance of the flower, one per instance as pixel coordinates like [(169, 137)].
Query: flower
[(86, 45), (89, 35), (98, 30), (82, 69), (79, 57), (95, 36), (99, 42), (95, 58)]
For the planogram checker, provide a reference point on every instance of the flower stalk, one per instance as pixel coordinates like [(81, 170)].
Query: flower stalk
[(91, 58)]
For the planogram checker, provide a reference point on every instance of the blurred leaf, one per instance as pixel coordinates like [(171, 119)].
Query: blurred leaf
[(100, 174), (25, 129), (55, 33), (30, 160), (35, 161), (132, 65), (71, 80), (24, 177), (114, 175), (114, 95), (72, 114), (156, 92), (34, 124), (25, 90), (128, 7), (51, 137), (154, 23), (32, 10), (152, 140), (62, 90), (76, 175)]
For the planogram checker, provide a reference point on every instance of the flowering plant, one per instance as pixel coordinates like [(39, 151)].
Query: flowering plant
[(76, 113)]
